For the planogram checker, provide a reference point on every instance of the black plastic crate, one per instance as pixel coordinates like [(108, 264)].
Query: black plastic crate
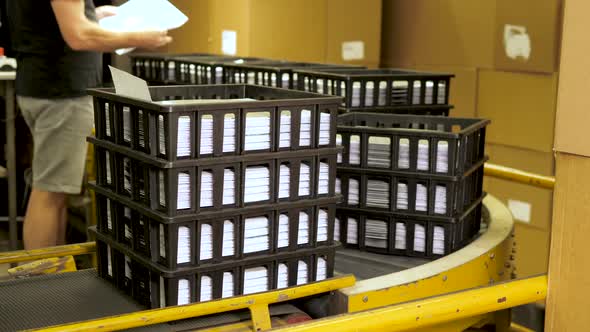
[(154, 287), (208, 70), (378, 88), (200, 185), (417, 194), (230, 236), (406, 235), (282, 74), (411, 144), (158, 68), (215, 128)]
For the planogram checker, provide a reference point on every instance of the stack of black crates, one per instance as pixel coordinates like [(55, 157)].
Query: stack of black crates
[(214, 191), (411, 178)]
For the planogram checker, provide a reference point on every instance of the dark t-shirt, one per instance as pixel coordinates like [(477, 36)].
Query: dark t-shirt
[(47, 66)]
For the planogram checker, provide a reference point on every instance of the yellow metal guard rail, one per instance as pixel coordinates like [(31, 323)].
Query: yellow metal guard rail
[(519, 176)]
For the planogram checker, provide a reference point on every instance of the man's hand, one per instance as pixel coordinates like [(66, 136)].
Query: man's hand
[(153, 39), (105, 11)]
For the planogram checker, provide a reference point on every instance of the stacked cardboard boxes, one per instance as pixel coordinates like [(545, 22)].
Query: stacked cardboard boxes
[(505, 57)]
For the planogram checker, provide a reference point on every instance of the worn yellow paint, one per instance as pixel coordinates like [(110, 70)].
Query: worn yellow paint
[(516, 175), (150, 317), (260, 317), (44, 266), (434, 311), (36, 254)]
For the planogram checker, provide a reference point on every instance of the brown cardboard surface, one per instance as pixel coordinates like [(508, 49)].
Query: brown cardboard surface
[(470, 33), (532, 250), (193, 36), (229, 15), (573, 103), (463, 92), (353, 20), (442, 32), (529, 205), (521, 107), (569, 266)]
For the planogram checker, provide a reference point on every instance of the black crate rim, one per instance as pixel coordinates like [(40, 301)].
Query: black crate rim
[(354, 73)]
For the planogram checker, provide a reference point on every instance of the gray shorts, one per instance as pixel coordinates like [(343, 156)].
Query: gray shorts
[(59, 128)]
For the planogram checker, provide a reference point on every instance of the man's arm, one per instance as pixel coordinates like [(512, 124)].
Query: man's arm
[(81, 34)]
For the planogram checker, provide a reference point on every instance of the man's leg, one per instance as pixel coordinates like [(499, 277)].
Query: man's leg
[(59, 129), (45, 220)]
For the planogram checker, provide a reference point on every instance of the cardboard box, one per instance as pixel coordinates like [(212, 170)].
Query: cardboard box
[(529, 205), (531, 250), (463, 92), (472, 33), (573, 102), (193, 36), (304, 30), (520, 106)]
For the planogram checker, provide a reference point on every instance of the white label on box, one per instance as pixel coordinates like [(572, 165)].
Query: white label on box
[(520, 210), (517, 42), (353, 50), (229, 42)]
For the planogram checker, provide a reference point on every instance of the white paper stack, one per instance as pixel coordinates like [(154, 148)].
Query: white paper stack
[(442, 157), (256, 236), (416, 92), (399, 93), (162, 240), (320, 85), (352, 231), (283, 276), (337, 229), (419, 238), (356, 94), (255, 280), (321, 269), (127, 175), (442, 92), (183, 191), (369, 92), (183, 253), (218, 75), (184, 292), (429, 94), (284, 180), (251, 77), (140, 129), (128, 232), (339, 143), (305, 129), (378, 194), (162, 136), (257, 133), (322, 225), (379, 154), (126, 124), (283, 234), (402, 196), (400, 235), (206, 139), (440, 200), (171, 69), (183, 143), (404, 153), (162, 293), (438, 242), (128, 268), (338, 188), (109, 217), (325, 120), (109, 261), (304, 179), (423, 155), (382, 93), (229, 246), (376, 233), (206, 289), (229, 186), (107, 120), (353, 192), (302, 272), (257, 184), (421, 197), (206, 249), (324, 178), (355, 150), (227, 289), (206, 189), (303, 229), (285, 129)]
